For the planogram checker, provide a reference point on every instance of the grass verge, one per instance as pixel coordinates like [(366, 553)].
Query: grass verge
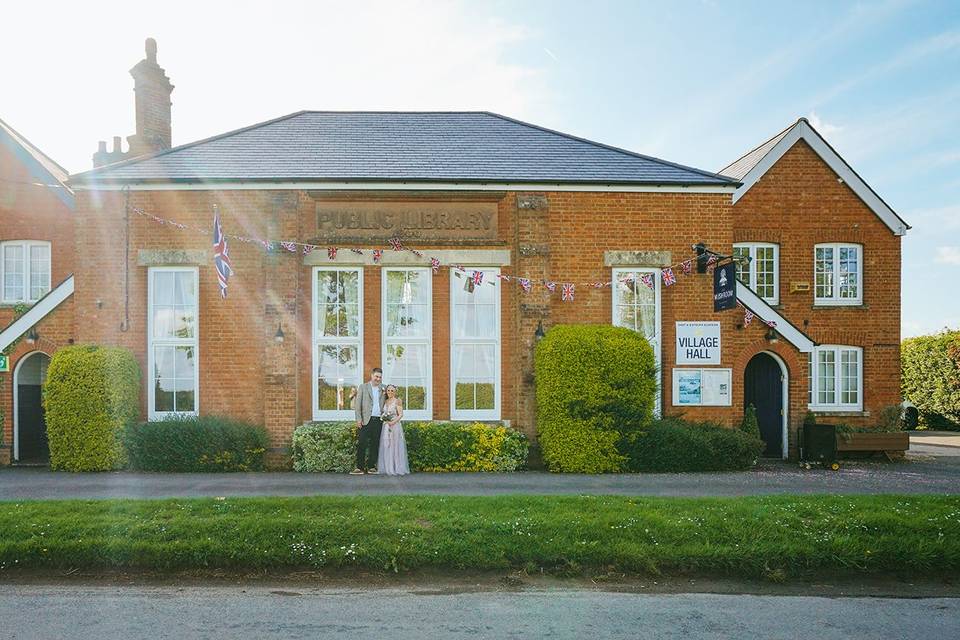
[(771, 537)]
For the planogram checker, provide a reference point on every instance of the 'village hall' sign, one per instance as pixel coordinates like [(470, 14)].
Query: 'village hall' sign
[(698, 342)]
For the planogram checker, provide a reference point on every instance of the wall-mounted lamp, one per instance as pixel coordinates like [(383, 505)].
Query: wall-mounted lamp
[(539, 333), (772, 336), (32, 336), (278, 336)]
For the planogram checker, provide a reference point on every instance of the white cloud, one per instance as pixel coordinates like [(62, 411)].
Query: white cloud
[(948, 255), (826, 129)]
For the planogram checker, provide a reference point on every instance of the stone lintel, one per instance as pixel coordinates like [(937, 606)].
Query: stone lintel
[(172, 257), (636, 258)]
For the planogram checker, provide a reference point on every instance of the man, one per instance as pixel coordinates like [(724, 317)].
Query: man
[(369, 406)]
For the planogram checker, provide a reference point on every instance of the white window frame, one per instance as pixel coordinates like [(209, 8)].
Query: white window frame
[(25, 245), (489, 275), (385, 341), (751, 248), (175, 342), (835, 300), (333, 414), (618, 274), (814, 375)]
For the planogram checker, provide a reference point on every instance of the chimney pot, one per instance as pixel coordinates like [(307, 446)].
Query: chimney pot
[(151, 48), (102, 146), (117, 144)]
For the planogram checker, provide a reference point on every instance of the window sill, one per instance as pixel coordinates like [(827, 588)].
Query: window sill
[(841, 413), (840, 305)]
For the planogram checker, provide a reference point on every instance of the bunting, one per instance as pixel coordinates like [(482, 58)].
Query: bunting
[(566, 292)]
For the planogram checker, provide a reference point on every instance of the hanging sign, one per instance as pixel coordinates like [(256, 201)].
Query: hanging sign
[(698, 343), (724, 287), (4, 363)]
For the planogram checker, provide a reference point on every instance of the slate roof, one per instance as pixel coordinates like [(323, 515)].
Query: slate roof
[(742, 165), (400, 146), (40, 165)]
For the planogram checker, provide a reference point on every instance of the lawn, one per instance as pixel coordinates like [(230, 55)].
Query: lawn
[(775, 536)]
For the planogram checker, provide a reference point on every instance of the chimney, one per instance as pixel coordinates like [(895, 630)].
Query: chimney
[(152, 88)]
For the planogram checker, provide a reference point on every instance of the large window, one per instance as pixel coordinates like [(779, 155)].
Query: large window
[(837, 274), (759, 268), (836, 378), (407, 330), (24, 270), (337, 340), (475, 346), (174, 386), (636, 306)]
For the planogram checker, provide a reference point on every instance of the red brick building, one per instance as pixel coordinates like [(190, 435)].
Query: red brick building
[(306, 198)]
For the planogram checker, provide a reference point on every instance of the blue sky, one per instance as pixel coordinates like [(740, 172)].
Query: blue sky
[(693, 82)]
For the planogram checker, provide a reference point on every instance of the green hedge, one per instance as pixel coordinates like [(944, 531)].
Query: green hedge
[(591, 381), (325, 446), (91, 394), (671, 445), (431, 446), (930, 378), (205, 443)]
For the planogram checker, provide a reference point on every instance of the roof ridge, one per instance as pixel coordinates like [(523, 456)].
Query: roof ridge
[(613, 148), (156, 154), (779, 134)]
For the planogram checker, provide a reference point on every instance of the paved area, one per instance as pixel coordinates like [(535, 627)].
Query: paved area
[(920, 473), (183, 613), (936, 439)]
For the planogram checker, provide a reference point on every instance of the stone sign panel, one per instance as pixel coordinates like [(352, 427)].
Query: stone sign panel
[(426, 221)]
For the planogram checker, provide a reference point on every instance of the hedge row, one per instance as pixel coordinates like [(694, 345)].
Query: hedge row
[(205, 443), (431, 446), (930, 378), (674, 445)]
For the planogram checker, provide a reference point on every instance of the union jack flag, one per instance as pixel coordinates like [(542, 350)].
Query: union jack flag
[(747, 317), (566, 292), (687, 266), (416, 253), (221, 255), (377, 254), (712, 262), (434, 264), (668, 277), (396, 244), (332, 253), (308, 248), (647, 279), (600, 285), (289, 246), (551, 286), (359, 252), (478, 277), (524, 284)]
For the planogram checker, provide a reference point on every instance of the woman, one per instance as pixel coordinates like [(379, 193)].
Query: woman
[(393, 447)]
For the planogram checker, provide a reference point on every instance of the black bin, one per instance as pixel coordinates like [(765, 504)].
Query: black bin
[(819, 443)]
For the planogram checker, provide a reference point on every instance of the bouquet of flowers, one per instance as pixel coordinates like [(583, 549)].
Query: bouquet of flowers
[(388, 416)]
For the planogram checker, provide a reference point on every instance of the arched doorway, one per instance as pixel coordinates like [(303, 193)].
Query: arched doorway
[(765, 387), (29, 423)]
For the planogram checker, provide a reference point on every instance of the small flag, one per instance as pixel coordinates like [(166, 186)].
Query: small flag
[(668, 277), (551, 286), (478, 277), (524, 284), (687, 266), (289, 246), (434, 264), (377, 254), (359, 252), (307, 248), (458, 267), (503, 276), (747, 317), (647, 279), (331, 253), (266, 245), (599, 285), (396, 244), (416, 253), (711, 262), (566, 292), (771, 323), (221, 255)]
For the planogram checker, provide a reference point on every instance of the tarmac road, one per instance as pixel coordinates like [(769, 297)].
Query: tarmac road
[(101, 612)]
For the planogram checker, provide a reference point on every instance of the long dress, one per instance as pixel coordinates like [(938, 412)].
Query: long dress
[(393, 447)]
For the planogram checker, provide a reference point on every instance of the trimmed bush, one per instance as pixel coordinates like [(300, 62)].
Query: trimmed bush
[(930, 378), (671, 445), (452, 446), (750, 425), (91, 394), (325, 446), (431, 446), (190, 443), (595, 383)]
